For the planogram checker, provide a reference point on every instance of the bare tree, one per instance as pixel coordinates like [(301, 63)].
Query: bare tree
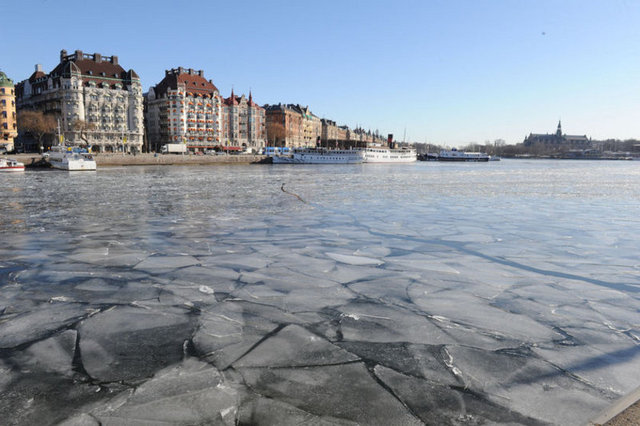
[(83, 127), (38, 124)]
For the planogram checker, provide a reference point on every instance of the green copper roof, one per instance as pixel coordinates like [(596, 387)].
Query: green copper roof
[(5, 81)]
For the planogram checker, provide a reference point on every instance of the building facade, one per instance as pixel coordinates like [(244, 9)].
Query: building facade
[(243, 123), (284, 126), (312, 126), (8, 121), (184, 108), (329, 136), (96, 102), (292, 125), (557, 138)]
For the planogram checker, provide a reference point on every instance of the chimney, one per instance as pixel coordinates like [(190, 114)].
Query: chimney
[(79, 55), (97, 57), (180, 70), (114, 60), (201, 73), (190, 71), (63, 54), (39, 67)]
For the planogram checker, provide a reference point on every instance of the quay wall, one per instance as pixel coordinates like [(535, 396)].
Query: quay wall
[(105, 160)]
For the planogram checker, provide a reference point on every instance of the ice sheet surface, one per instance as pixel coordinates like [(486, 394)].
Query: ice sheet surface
[(500, 293)]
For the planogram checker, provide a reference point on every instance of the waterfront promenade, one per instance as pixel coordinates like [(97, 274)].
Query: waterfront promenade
[(104, 160)]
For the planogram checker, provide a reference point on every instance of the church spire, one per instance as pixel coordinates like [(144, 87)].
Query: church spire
[(559, 131)]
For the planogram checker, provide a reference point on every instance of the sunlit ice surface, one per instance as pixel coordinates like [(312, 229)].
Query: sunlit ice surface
[(426, 293)]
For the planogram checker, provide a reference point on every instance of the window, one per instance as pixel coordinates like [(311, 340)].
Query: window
[(2, 90)]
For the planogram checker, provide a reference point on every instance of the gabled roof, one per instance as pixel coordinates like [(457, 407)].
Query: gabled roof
[(37, 75), (232, 100), (192, 81)]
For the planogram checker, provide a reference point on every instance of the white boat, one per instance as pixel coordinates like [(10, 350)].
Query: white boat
[(388, 155), (11, 165), (455, 155), (320, 156), (70, 158)]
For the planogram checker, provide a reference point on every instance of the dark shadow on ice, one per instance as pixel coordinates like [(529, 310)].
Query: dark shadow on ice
[(613, 286), (460, 247), (607, 359)]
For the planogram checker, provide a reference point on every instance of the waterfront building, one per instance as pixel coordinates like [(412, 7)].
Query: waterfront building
[(343, 133), (312, 126), (292, 125), (243, 123), (96, 102), (329, 134), (184, 108), (557, 138), (284, 125), (7, 113)]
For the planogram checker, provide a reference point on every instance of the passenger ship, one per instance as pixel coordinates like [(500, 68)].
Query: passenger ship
[(320, 156), (455, 155), (389, 155)]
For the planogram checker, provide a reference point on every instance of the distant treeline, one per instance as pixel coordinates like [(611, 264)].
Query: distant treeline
[(594, 148)]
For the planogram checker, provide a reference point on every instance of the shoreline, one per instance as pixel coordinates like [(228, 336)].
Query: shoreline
[(33, 160)]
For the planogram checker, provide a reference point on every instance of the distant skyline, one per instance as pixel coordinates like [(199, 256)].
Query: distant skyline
[(443, 71)]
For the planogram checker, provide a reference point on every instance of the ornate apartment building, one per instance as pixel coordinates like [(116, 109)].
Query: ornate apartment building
[(184, 108), (7, 112), (96, 102), (243, 123), (292, 125)]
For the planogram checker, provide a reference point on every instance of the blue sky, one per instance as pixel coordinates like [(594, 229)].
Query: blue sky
[(443, 71)]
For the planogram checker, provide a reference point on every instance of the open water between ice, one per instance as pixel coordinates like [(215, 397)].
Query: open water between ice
[(428, 293)]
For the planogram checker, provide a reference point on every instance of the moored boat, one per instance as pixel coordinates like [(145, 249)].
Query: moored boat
[(455, 155), (429, 156), (70, 158), (389, 155), (320, 156), (11, 165)]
